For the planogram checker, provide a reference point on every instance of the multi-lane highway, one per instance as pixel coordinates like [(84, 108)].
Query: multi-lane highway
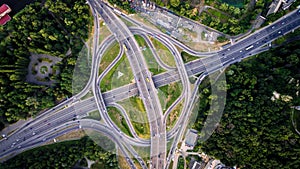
[(67, 116), (144, 83)]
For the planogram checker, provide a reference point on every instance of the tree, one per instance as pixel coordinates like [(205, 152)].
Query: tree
[(175, 3), (255, 130)]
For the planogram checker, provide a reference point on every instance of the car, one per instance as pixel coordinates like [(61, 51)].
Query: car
[(283, 23), (279, 32)]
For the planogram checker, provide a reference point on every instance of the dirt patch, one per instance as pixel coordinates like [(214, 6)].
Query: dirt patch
[(77, 134)]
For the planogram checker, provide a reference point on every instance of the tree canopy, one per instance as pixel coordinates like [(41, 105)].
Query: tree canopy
[(52, 28), (63, 155), (255, 130)]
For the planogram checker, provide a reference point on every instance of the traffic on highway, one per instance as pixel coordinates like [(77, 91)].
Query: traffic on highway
[(71, 114)]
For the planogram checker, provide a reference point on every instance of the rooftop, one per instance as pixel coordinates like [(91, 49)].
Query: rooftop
[(4, 19), (191, 137), (4, 9), (196, 165)]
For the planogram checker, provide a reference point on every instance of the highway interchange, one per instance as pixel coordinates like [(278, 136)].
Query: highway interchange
[(68, 115)]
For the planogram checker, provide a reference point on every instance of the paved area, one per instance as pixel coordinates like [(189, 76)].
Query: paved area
[(180, 28), (40, 68)]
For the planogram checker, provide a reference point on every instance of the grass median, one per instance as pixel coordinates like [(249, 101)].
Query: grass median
[(111, 53), (174, 115), (120, 75), (104, 31), (94, 115), (163, 52), (152, 64), (168, 94), (187, 57), (138, 116), (119, 120)]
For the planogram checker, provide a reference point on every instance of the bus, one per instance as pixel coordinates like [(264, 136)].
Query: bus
[(249, 47)]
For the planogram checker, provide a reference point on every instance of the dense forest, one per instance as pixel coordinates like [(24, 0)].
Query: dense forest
[(63, 155), (256, 129), (53, 28)]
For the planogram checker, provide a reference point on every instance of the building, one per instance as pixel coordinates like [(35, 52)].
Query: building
[(273, 8), (4, 17), (191, 138), (287, 3), (4, 9), (276, 4), (198, 165)]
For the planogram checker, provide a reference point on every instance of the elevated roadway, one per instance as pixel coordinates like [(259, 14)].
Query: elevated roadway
[(244, 48)]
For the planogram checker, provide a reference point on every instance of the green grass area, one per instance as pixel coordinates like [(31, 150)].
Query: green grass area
[(163, 52), (140, 40), (127, 23), (97, 165), (111, 53), (101, 140), (174, 115), (113, 78), (218, 14), (168, 94), (88, 95), (94, 115), (151, 62), (104, 31), (143, 152), (44, 69), (137, 115), (148, 55), (187, 57), (119, 120), (180, 164)]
